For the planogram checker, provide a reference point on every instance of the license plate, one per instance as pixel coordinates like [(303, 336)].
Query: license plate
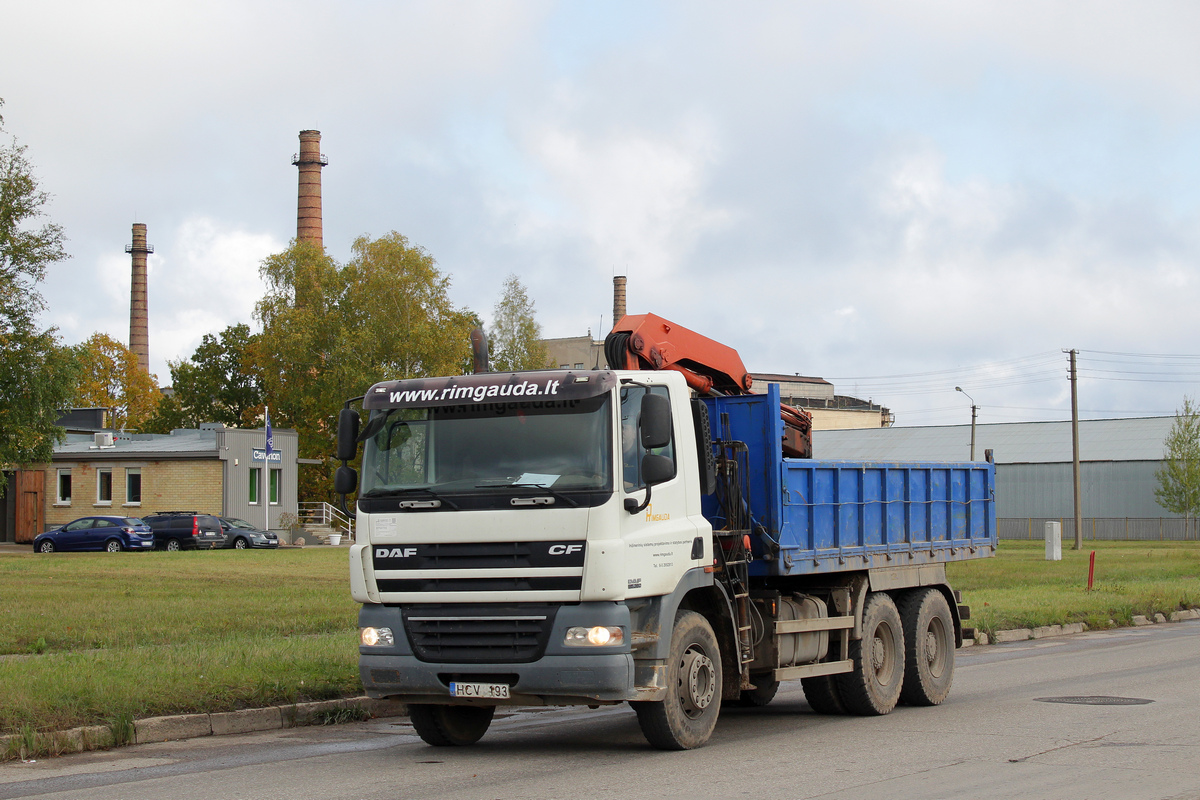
[(488, 691)]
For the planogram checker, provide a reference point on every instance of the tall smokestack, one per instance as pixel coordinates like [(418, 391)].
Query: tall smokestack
[(308, 205), (139, 325), (618, 298)]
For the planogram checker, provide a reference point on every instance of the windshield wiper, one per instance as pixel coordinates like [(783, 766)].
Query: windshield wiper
[(410, 490), (538, 486)]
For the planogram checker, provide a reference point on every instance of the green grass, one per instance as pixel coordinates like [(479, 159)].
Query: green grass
[(100, 639), (1020, 589)]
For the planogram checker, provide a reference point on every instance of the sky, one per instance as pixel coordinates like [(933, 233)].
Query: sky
[(900, 198)]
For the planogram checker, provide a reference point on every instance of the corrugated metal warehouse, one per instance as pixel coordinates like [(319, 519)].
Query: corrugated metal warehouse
[(1119, 459)]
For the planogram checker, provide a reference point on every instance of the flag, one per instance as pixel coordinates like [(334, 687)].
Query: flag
[(270, 439)]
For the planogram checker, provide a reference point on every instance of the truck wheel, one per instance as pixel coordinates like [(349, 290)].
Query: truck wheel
[(929, 647), (873, 688), (685, 719), (763, 692), (822, 695), (450, 726)]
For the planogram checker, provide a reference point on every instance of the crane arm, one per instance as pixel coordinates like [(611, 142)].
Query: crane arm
[(647, 341)]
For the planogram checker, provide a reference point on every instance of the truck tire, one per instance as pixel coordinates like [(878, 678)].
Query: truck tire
[(929, 647), (822, 695), (873, 688), (450, 726), (686, 718), (765, 687)]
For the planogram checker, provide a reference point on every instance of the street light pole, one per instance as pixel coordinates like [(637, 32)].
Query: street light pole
[(974, 409)]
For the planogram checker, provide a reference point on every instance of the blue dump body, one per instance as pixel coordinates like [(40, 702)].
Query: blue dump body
[(834, 516)]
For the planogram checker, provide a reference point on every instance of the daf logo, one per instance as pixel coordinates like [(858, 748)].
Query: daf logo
[(564, 549), (395, 552)]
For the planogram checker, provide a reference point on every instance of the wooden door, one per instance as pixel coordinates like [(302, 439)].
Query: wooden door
[(30, 490)]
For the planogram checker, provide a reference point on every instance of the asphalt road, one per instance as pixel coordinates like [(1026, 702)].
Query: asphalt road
[(996, 737)]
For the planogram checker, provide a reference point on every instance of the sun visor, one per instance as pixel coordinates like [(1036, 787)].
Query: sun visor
[(490, 387)]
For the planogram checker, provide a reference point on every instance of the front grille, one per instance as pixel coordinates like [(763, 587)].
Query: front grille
[(550, 583), (446, 634)]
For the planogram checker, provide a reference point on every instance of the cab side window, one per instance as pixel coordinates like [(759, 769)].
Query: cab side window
[(631, 447)]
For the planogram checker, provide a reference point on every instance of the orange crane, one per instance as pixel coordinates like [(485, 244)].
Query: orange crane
[(647, 341)]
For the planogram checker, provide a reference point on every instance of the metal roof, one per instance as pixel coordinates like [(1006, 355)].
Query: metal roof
[(1011, 442), (178, 444)]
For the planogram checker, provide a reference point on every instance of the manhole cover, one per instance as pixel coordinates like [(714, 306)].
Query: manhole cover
[(1096, 700)]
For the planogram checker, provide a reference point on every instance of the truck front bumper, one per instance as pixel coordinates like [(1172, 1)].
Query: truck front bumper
[(552, 680), (563, 675)]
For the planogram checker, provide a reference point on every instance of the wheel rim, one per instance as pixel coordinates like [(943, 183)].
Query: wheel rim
[(240, 544), (883, 654), (113, 547), (47, 547), (698, 681), (173, 545), (937, 644)]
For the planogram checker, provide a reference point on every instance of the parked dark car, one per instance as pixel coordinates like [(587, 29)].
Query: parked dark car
[(113, 534), (240, 534), (185, 530)]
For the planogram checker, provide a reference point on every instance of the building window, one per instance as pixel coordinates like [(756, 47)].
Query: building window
[(255, 477), (104, 486), (275, 486), (133, 487), (64, 487), (579, 365)]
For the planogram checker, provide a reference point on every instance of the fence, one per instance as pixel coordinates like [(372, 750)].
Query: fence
[(326, 516), (1151, 529)]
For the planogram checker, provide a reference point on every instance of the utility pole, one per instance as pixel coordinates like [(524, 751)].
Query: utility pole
[(1075, 453), (974, 410)]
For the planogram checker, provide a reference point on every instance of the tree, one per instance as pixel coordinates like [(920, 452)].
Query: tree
[(330, 331), (219, 383), (110, 377), (36, 372), (1179, 478), (515, 340)]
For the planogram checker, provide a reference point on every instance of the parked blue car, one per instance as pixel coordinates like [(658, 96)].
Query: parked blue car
[(112, 534)]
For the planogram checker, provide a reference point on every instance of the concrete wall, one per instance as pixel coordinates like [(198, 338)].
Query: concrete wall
[(574, 350), (833, 419)]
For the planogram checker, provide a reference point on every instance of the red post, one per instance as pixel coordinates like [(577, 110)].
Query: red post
[(1091, 569)]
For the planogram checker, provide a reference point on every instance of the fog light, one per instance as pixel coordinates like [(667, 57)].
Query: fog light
[(595, 636), (377, 637)]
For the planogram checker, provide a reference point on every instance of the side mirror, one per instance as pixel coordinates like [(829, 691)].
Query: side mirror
[(347, 435), (657, 469), (345, 481), (655, 421)]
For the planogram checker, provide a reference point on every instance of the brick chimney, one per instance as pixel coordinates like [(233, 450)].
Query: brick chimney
[(308, 204), (139, 326), (618, 298)]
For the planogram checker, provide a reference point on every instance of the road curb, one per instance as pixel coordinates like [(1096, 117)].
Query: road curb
[(1070, 629), (192, 726)]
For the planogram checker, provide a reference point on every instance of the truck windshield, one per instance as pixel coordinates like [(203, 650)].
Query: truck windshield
[(470, 449)]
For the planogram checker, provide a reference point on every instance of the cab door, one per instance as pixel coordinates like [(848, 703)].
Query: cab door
[(662, 540)]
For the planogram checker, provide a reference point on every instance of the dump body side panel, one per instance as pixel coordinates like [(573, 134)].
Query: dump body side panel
[(836, 516)]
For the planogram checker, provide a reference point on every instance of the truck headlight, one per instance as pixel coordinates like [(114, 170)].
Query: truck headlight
[(595, 636), (376, 637)]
